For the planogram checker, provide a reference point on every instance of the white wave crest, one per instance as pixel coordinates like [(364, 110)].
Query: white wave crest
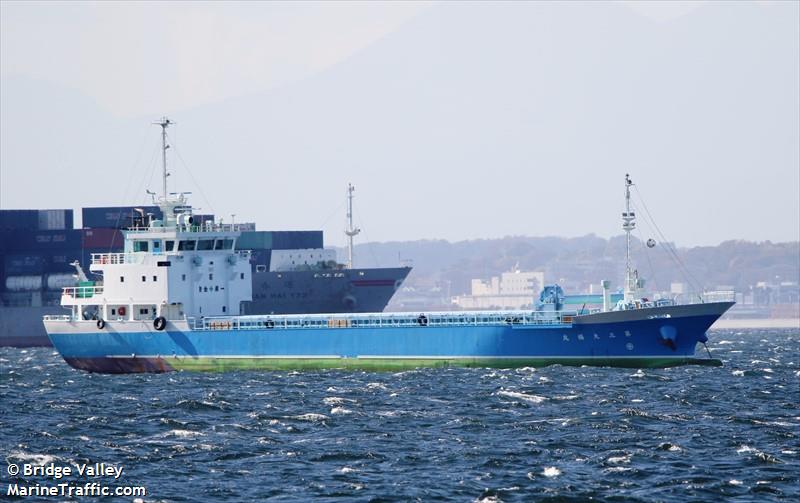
[(551, 471), (184, 433), (615, 460), (33, 459), (567, 397), (335, 400), (310, 417), (523, 396)]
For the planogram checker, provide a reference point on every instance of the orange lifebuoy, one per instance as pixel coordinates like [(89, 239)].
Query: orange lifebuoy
[(121, 310)]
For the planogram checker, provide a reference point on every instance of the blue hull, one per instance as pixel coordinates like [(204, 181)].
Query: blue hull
[(636, 338)]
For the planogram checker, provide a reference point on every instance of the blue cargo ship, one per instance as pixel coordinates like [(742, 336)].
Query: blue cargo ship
[(648, 337), (173, 300)]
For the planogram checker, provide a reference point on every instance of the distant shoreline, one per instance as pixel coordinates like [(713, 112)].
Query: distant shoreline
[(757, 323)]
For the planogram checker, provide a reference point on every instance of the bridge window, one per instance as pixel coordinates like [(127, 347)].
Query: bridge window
[(186, 245), (169, 245), (224, 244), (205, 244), (140, 246)]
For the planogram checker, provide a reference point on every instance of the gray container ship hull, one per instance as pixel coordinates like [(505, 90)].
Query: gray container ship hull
[(22, 327), (326, 291)]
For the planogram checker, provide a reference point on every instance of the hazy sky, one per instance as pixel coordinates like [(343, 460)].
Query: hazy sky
[(453, 120)]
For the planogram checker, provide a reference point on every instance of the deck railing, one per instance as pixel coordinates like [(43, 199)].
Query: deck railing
[(454, 319), (138, 258), (192, 228), (116, 258), (81, 292)]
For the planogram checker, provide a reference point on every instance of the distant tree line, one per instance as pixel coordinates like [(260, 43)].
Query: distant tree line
[(578, 262)]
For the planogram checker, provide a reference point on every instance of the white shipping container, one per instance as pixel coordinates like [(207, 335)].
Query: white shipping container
[(23, 283), (52, 220), (59, 281)]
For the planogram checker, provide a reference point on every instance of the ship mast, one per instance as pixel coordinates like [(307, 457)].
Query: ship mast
[(351, 231), (164, 123), (628, 224), (170, 206)]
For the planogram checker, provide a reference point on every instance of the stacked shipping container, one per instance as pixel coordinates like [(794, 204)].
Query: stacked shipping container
[(36, 248)]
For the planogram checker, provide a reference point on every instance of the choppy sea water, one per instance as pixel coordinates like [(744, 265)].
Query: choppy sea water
[(552, 434)]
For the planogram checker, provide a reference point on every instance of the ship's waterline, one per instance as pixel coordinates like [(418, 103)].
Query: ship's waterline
[(158, 364)]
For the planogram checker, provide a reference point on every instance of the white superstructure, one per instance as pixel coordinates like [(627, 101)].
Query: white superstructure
[(170, 269)]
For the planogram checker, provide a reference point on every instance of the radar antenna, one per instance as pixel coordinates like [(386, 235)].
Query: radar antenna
[(351, 231)]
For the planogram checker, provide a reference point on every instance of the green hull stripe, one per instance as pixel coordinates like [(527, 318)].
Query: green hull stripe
[(392, 364)]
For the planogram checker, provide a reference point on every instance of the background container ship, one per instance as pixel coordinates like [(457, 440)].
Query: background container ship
[(292, 273)]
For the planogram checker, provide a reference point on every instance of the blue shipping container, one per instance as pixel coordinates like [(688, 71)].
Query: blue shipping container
[(19, 219), (296, 240), (59, 262), (116, 217), (23, 241), (33, 220), (23, 265)]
